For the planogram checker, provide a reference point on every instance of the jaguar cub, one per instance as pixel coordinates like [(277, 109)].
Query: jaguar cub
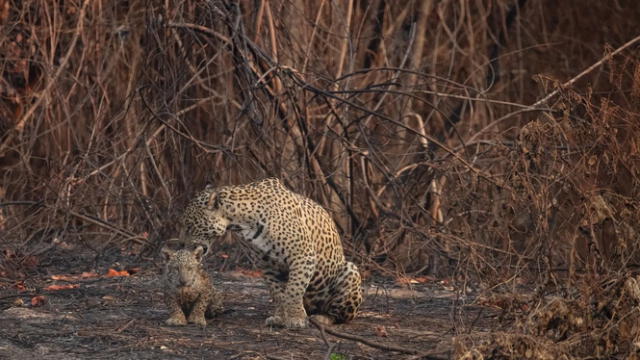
[(189, 292)]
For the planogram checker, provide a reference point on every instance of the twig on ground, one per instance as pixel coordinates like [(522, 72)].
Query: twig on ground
[(326, 342), (125, 326), (360, 339), (273, 357)]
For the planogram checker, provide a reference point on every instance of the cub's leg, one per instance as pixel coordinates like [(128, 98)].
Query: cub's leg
[(199, 307), (176, 316), (215, 306)]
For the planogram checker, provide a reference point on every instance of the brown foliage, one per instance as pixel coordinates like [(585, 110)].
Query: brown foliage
[(38, 300), (111, 128), (595, 322), (61, 287), (116, 273), (410, 121)]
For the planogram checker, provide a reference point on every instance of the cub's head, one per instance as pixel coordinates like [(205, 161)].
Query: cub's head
[(183, 266), (203, 218)]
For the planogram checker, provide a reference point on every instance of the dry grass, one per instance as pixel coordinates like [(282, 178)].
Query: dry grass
[(598, 320), (412, 122)]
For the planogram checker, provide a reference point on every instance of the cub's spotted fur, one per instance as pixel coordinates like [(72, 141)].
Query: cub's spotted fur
[(189, 293)]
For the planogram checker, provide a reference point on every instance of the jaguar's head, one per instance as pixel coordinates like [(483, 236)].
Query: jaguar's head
[(203, 219)]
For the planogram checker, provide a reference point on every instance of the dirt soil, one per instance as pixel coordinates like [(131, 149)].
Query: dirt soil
[(123, 317)]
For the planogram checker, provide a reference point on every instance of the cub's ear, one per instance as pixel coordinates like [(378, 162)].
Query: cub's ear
[(209, 187), (199, 252), (167, 253)]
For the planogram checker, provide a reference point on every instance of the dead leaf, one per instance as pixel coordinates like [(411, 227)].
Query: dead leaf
[(20, 286), (381, 331), (415, 280), (61, 287), (38, 301), (240, 273), (88, 274), (62, 244), (446, 284), (63, 277), (405, 280), (30, 262), (251, 273), (84, 275), (115, 273)]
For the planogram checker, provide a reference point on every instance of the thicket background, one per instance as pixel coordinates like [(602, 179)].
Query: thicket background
[(456, 139), (416, 123)]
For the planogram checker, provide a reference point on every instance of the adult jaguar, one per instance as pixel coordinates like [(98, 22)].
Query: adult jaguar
[(297, 241)]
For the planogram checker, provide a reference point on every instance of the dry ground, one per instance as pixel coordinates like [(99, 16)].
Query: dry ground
[(123, 317)]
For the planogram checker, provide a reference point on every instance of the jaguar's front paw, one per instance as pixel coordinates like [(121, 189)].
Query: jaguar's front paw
[(296, 322), (288, 322), (176, 320), (198, 320), (274, 321)]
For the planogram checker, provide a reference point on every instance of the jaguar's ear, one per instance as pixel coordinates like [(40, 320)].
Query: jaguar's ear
[(213, 203), (198, 253), (167, 253), (209, 187)]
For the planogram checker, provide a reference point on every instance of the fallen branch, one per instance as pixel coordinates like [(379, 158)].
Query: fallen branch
[(326, 342), (124, 327), (360, 339)]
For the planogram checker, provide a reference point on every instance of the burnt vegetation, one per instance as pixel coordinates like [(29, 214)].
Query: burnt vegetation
[(493, 143)]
